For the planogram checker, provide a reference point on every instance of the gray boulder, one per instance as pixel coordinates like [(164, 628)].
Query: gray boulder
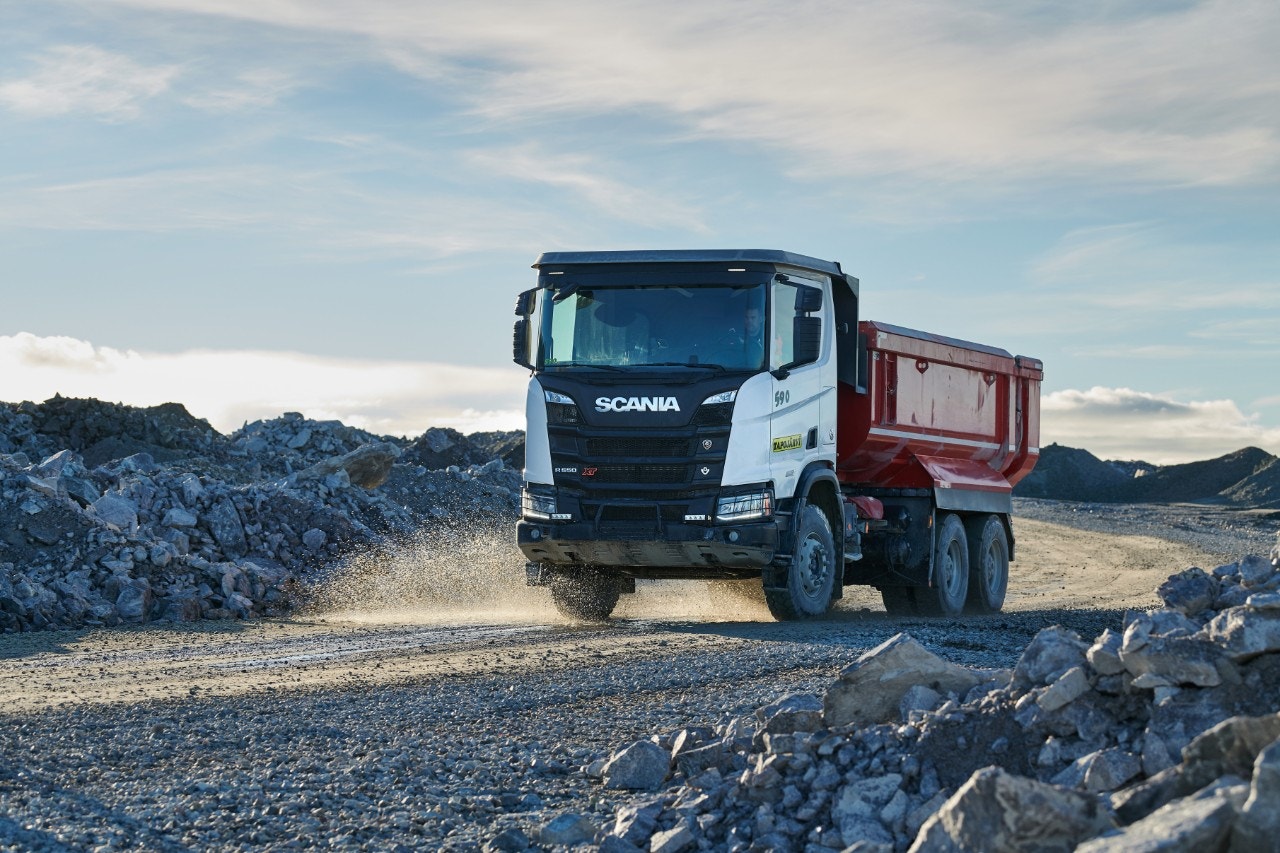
[(133, 604), (795, 712), (998, 812), (1258, 826), (567, 830), (1050, 653), (118, 510), (1201, 822), (1190, 591), (1244, 632), (871, 689), (366, 467), (643, 766)]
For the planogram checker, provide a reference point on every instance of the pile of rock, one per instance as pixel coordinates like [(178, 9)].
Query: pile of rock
[(291, 442), (1163, 737), (221, 528)]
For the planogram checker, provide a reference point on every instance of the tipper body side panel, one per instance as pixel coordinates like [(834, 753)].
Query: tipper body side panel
[(938, 413)]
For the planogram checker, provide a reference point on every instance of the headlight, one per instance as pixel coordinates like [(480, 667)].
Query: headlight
[(561, 409), (541, 507), (716, 410), (739, 507)]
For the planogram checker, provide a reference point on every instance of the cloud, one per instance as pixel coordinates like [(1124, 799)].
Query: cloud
[(580, 176), (229, 387), (1120, 423), (323, 214), (249, 90), (86, 79), (984, 94)]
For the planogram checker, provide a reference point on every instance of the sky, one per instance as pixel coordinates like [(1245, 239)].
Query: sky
[(259, 206)]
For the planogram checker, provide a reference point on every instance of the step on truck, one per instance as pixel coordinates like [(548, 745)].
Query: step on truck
[(726, 414)]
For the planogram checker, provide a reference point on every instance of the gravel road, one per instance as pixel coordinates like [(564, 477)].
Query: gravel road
[(426, 728)]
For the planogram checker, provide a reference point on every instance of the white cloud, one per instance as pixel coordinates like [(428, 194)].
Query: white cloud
[(987, 94), (582, 177), (1120, 423), (233, 386), (249, 90), (84, 78), (326, 213)]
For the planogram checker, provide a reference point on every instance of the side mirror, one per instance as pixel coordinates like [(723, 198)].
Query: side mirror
[(524, 303), (807, 333), (520, 343), (808, 299)]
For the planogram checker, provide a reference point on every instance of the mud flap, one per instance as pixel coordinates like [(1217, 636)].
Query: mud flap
[(775, 574), (536, 574)]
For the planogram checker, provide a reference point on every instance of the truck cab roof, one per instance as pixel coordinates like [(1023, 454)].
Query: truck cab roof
[(691, 256)]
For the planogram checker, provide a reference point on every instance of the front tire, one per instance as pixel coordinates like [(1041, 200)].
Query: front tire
[(950, 587), (812, 576), (988, 564), (585, 594)]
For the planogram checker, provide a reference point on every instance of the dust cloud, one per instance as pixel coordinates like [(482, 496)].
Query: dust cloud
[(443, 573), (474, 574)]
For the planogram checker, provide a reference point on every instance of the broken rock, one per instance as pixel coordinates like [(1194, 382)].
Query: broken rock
[(871, 689), (998, 812)]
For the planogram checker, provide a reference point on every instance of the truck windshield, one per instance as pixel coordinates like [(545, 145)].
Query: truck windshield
[(696, 326)]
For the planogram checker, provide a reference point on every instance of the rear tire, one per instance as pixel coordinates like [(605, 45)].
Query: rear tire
[(585, 594), (812, 576), (946, 595), (988, 564)]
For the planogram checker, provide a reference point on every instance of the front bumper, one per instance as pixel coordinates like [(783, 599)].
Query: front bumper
[(670, 550)]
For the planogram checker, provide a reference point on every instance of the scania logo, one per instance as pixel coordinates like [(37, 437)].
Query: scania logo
[(637, 404)]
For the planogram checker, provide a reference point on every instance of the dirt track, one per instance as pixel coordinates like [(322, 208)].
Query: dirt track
[(431, 728), (1058, 569)]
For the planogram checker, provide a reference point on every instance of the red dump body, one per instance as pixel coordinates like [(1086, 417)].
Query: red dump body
[(938, 413)]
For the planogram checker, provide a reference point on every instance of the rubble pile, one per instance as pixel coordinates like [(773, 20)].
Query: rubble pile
[(101, 431), (201, 525), (1162, 736)]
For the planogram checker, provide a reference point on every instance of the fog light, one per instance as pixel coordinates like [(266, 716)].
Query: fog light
[(733, 536), (535, 534)]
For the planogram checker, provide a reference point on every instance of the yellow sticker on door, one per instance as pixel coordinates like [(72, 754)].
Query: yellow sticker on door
[(786, 442)]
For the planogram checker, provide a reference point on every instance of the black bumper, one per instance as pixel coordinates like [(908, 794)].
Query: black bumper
[(674, 550)]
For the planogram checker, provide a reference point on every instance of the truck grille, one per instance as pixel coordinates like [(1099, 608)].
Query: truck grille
[(669, 447), (642, 474), (635, 512)]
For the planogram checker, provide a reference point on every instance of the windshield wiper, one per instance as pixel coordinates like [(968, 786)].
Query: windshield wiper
[(705, 364), (588, 364)]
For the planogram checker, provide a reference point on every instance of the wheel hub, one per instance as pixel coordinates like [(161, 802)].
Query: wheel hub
[(813, 566)]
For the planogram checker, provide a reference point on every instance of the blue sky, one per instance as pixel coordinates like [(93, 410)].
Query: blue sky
[(253, 207)]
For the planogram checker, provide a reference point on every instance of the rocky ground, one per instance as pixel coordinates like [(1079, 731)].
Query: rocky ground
[(111, 514), (502, 726), (417, 696)]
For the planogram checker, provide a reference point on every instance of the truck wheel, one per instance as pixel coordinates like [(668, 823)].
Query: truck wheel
[(585, 594), (950, 587), (811, 578), (988, 564)]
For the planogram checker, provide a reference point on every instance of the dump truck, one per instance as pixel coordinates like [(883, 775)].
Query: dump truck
[(727, 415)]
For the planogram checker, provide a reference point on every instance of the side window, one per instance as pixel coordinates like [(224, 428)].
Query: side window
[(781, 327), (564, 318), (782, 320)]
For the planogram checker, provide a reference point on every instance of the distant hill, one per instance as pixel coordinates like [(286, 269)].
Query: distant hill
[(1248, 477)]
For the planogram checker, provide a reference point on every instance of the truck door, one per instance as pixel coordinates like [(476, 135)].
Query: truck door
[(796, 425)]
